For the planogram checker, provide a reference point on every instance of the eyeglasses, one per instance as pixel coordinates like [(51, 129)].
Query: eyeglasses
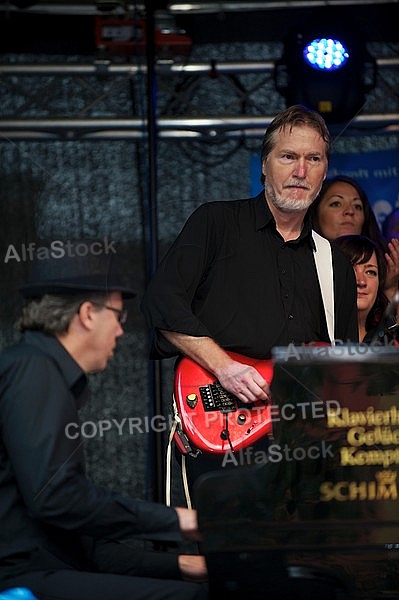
[(121, 313)]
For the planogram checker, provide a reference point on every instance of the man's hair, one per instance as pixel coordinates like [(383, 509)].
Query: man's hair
[(52, 313), (294, 116)]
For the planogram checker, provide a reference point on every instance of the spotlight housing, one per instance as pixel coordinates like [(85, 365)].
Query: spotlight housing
[(326, 66)]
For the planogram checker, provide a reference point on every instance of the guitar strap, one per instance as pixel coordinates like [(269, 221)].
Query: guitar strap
[(324, 267)]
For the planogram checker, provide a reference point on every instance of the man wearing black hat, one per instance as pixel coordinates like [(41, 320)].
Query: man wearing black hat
[(60, 535)]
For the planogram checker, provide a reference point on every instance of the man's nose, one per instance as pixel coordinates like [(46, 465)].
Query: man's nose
[(301, 169)]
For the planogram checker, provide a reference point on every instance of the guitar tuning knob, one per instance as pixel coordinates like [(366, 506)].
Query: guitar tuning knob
[(192, 400)]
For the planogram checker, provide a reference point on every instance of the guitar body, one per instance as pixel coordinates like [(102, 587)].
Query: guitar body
[(214, 420)]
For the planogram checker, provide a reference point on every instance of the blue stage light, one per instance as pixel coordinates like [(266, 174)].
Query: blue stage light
[(326, 66), (326, 54)]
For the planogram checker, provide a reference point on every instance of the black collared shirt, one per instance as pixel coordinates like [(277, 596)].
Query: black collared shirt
[(230, 275), (46, 500)]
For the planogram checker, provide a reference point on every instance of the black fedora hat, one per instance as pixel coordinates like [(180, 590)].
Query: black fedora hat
[(74, 267)]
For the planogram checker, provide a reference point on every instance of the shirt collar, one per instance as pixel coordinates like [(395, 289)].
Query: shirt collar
[(264, 217), (74, 376)]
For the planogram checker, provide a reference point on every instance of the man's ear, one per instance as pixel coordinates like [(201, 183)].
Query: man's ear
[(263, 166), (85, 314)]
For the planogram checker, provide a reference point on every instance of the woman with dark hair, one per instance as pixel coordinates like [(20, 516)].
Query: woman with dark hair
[(370, 272), (342, 208)]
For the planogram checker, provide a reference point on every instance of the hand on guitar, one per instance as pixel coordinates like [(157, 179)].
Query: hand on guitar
[(214, 418), (244, 381)]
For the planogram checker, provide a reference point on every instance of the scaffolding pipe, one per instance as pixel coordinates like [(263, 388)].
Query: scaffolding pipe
[(168, 128), (163, 67)]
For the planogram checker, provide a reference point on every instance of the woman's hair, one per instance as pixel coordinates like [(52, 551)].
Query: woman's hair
[(370, 227), (52, 314), (359, 250), (294, 116)]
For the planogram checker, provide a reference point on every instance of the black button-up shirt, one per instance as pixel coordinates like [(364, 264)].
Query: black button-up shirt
[(230, 276), (46, 500)]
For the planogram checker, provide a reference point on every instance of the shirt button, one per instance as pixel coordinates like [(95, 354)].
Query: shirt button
[(283, 271), (290, 316)]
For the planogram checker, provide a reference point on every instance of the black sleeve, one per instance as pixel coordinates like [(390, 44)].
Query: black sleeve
[(167, 302), (46, 455)]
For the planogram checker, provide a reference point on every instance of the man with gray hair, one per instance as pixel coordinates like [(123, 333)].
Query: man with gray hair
[(61, 535), (247, 275)]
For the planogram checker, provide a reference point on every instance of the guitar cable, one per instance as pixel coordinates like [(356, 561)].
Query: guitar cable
[(168, 463), (225, 434), (175, 424)]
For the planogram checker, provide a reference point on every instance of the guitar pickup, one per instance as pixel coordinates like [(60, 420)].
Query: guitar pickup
[(215, 397)]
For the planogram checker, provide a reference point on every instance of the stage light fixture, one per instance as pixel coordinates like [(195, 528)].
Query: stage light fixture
[(325, 54), (326, 66)]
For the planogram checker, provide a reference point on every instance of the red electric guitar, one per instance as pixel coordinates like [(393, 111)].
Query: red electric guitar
[(213, 419)]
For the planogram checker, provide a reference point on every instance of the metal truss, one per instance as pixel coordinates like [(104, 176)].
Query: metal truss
[(209, 101)]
